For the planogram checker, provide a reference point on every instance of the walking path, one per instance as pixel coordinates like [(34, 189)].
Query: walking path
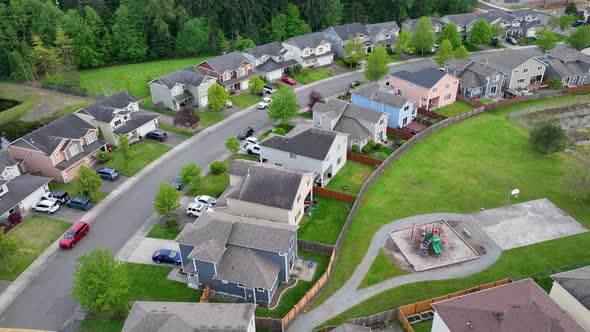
[(348, 295)]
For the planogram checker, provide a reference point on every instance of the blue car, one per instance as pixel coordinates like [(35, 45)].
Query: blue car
[(109, 174), (79, 203), (166, 256)]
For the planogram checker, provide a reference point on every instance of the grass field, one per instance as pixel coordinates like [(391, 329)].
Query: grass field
[(423, 326), (144, 153), (209, 118), (325, 222), (382, 269), (245, 100), (33, 236), (485, 101), (162, 232), (395, 58), (212, 184), (477, 162), (73, 191), (133, 77), (314, 76), (455, 108), (175, 130), (353, 175)]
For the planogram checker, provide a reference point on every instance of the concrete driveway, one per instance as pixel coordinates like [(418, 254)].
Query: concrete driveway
[(174, 139), (143, 253)]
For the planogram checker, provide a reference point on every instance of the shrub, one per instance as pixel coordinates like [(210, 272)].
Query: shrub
[(548, 137), (371, 144), (171, 221), (366, 149), (402, 141), (217, 167), (104, 156), (378, 155), (280, 131), (354, 148), (555, 83), (377, 146)]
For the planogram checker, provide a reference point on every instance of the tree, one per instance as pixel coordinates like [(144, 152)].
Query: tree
[(256, 85), (444, 52), (100, 280), (565, 21), (47, 59), (186, 117), (376, 66), (403, 42), (313, 97), (333, 13), (496, 32), (354, 51), (450, 33), (193, 38), (87, 182), (86, 29), (8, 247), (461, 52), (216, 97), (571, 9), (233, 145), (546, 40), (242, 44), (287, 24), (125, 150), (190, 174), (548, 137), (577, 180), (480, 33), (166, 200), (284, 105), (128, 40), (555, 83), (580, 38), (423, 35)]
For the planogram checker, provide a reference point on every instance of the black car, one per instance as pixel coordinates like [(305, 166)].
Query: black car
[(511, 41), (245, 133), (157, 135), (57, 195), (577, 24), (80, 203), (177, 183), (355, 84)]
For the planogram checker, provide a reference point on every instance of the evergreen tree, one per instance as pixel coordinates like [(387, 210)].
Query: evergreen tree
[(333, 13), (242, 44)]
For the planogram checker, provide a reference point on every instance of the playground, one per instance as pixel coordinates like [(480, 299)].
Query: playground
[(432, 245)]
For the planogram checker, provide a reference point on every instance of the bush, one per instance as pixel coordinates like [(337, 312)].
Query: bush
[(280, 131), (217, 167), (378, 155), (555, 83), (354, 148), (371, 144), (366, 149), (548, 137), (104, 156), (402, 141), (377, 146), (171, 222)]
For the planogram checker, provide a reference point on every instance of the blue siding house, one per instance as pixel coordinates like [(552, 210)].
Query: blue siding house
[(382, 99), (238, 256)]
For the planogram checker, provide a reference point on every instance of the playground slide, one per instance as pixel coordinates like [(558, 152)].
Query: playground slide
[(436, 245)]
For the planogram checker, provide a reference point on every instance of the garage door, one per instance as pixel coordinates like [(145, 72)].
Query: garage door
[(203, 101)]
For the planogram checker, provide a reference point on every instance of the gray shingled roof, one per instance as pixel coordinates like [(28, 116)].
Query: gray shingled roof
[(270, 49), (103, 110), (136, 120), (524, 12), (352, 127), (568, 54), (332, 108), (189, 317), (374, 29), (188, 76), (20, 188), (240, 167), (6, 161), (567, 69), (229, 61), (412, 22), (271, 65), (382, 94), (86, 150), (508, 59), (310, 40), (460, 19), (427, 77), (492, 15), (470, 79), (247, 267), (577, 283), (344, 31), (362, 113), (314, 143)]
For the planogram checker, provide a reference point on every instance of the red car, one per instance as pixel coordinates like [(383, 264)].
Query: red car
[(288, 80), (78, 230)]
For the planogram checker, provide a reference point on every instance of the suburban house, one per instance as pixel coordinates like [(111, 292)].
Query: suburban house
[(437, 25), (522, 24), (270, 60), (310, 50), (231, 70), (239, 256), (530, 15), (521, 70), (464, 22), (382, 99), (119, 114), (262, 190), (570, 66), (429, 88), (477, 79), (182, 88), (384, 34), (339, 35), (514, 307), (18, 193), (321, 151), (571, 290), (146, 316), (58, 149)]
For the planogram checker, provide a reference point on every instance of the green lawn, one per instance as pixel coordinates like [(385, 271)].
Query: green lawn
[(340, 63), (33, 236), (423, 326), (71, 189), (245, 100), (293, 295), (133, 77), (286, 127), (477, 161), (209, 118), (325, 222), (147, 283), (175, 130), (306, 115), (395, 58), (214, 185), (485, 101), (265, 134), (144, 153), (456, 108), (382, 269), (162, 232), (353, 175), (314, 76)]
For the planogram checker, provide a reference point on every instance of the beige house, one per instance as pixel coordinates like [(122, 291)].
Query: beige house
[(266, 191), (571, 290)]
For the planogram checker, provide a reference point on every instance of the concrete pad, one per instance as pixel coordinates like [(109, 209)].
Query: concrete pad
[(174, 139), (143, 253), (302, 271), (527, 223)]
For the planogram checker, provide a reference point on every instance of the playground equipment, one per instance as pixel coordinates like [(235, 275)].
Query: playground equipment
[(430, 238)]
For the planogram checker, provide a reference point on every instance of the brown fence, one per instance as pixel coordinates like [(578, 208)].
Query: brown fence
[(469, 101), (361, 158), (333, 194), (399, 133), (269, 324), (205, 295), (315, 247), (430, 114)]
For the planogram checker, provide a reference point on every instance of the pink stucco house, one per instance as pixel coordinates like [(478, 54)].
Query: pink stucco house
[(430, 88)]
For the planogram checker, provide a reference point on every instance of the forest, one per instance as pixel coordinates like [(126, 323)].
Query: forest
[(55, 38)]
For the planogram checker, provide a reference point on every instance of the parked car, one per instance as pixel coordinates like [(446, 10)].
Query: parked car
[(511, 41), (252, 149), (107, 173), (45, 205), (80, 203), (269, 88), (577, 24), (206, 200), (409, 51), (196, 209), (228, 103), (166, 256), (245, 133), (177, 183), (57, 195), (251, 140), (264, 103), (355, 84), (78, 230), (288, 80), (157, 135)]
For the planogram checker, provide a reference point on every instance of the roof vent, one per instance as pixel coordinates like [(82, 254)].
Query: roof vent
[(469, 325), (499, 315)]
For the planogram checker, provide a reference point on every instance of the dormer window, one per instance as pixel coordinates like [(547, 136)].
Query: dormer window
[(74, 150), (226, 76), (91, 137), (117, 123)]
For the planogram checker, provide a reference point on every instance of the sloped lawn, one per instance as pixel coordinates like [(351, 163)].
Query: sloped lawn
[(144, 153)]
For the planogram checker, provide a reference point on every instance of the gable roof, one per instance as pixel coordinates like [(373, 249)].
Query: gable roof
[(273, 48), (362, 113), (332, 108), (189, 317), (310, 40), (494, 15), (412, 22), (460, 19), (103, 110), (136, 120), (247, 267), (353, 127), (187, 76), (568, 54), (577, 283), (427, 77), (381, 94), (20, 188), (374, 29), (344, 31), (524, 12), (509, 59), (313, 143), (514, 307), (6, 161), (229, 61)]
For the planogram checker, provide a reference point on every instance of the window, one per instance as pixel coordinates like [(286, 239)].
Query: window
[(91, 137), (515, 70), (298, 215), (292, 156), (298, 198), (258, 289), (339, 161), (320, 50), (520, 81), (118, 123), (434, 89), (406, 108), (381, 122), (540, 68), (405, 122), (224, 282), (240, 285), (448, 85), (306, 52), (74, 150), (496, 78), (455, 83), (241, 72), (526, 70), (447, 96), (410, 84)]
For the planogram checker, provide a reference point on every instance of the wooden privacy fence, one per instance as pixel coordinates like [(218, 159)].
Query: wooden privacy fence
[(269, 324), (399, 133), (333, 194), (205, 295), (361, 158), (315, 247), (469, 101), (430, 114)]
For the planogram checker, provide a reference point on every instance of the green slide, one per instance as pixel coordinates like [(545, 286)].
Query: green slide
[(436, 245)]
